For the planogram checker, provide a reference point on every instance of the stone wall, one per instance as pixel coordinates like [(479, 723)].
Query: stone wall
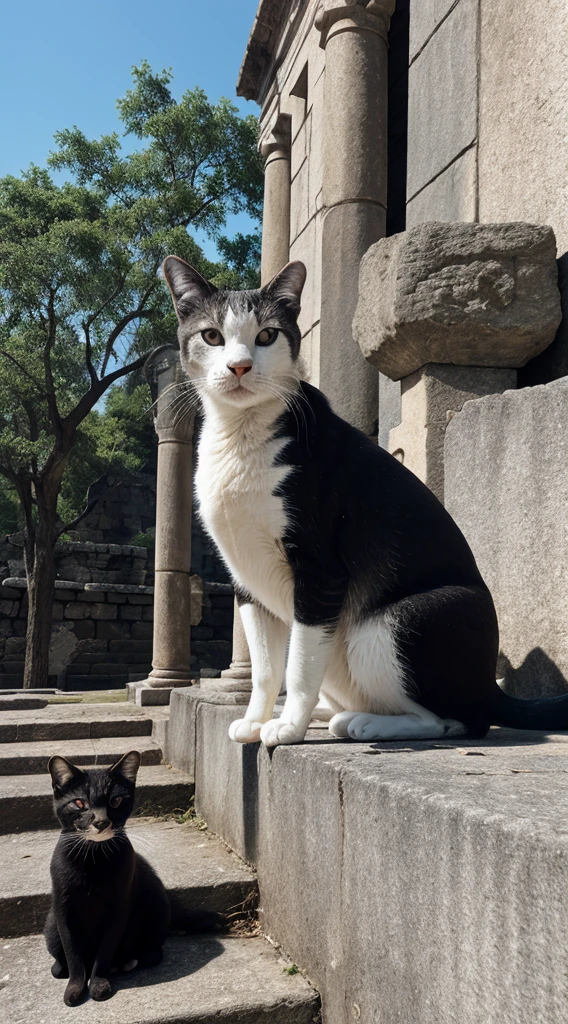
[(125, 509), (103, 616), (506, 479), (488, 95)]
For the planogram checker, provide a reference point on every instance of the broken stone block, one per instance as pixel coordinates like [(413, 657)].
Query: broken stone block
[(466, 294)]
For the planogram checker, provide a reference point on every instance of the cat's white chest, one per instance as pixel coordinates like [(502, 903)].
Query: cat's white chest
[(235, 484)]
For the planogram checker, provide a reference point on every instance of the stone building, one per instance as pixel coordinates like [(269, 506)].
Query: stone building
[(429, 140)]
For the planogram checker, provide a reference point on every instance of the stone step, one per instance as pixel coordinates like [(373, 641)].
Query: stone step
[(30, 758), (202, 980), (27, 800), (198, 870), (77, 721)]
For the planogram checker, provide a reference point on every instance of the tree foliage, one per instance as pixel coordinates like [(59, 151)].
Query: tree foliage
[(81, 302)]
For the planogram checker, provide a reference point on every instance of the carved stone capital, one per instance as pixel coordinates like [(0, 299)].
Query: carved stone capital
[(335, 16), (458, 293), (278, 139), (172, 419)]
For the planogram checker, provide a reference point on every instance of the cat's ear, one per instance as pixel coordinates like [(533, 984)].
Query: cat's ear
[(61, 771), (186, 284), (287, 284), (127, 766)]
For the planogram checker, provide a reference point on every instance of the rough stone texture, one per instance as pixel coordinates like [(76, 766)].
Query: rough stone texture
[(198, 871), (523, 96), (442, 97), (451, 196), (430, 397), (390, 408), (507, 488), (202, 980), (473, 294), (414, 882), (180, 745), (426, 17)]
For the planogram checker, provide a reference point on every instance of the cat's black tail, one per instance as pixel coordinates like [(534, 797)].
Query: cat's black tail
[(548, 713)]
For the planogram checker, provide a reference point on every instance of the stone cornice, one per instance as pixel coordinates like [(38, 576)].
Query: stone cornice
[(350, 15), (271, 19)]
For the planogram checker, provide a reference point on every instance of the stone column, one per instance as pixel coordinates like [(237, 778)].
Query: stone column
[(172, 587), (275, 149), (354, 36)]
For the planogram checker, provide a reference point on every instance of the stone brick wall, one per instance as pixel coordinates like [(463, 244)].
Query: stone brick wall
[(124, 510), (104, 605)]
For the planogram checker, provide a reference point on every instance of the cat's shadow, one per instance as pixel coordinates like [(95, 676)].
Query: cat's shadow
[(183, 956)]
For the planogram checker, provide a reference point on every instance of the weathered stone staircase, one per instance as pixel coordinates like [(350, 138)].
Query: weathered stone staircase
[(229, 976)]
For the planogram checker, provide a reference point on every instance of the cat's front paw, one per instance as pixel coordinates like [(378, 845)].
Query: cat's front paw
[(74, 993), (99, 989), (276, 732), (245, 730)]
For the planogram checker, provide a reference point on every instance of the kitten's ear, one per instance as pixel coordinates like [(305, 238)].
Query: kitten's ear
[(287, 284), (186, 285), (127, 766), (61, 771)]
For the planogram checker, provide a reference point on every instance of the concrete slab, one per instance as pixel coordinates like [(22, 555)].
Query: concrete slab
[(420, 882), (204, 980), (26, 801), (30, 758), (198, 870)]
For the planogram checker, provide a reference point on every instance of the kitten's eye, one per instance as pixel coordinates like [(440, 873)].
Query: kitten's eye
[(212, 336), (266, 336), (115, 801), (81, 804)]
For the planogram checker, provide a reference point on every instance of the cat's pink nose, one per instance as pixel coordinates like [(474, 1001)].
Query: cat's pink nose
[(240, 368)]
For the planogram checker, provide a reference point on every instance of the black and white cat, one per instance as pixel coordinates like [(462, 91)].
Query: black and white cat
[(332, 543), (109, 909)]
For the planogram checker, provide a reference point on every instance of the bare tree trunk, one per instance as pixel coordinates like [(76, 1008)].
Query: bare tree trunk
[(40, 609), (39, 549)]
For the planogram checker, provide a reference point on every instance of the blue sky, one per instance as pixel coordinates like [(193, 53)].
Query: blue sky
[(66, 63)]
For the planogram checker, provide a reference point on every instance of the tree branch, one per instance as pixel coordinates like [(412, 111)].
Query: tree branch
[(22, 369), (89, 352), (136, 314), (91, 397), (54, 415)]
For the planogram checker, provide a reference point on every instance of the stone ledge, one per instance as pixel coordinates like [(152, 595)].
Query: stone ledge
[(21, 583), (405, 879)]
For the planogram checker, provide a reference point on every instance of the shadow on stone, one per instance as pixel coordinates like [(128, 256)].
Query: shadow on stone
[(180, 960), (250, 800), (537, 676)]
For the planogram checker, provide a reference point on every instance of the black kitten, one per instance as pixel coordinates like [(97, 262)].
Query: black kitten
[(109, 909)]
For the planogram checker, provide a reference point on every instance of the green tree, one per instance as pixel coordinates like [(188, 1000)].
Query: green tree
[(81, 303)]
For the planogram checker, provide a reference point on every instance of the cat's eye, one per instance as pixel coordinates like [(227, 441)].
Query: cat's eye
[(266, 336), (115, 801), (213, 336), (80, 804)]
